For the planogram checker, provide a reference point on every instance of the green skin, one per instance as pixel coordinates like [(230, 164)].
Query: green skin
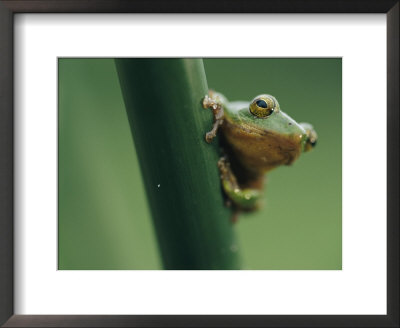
[(254, 145)]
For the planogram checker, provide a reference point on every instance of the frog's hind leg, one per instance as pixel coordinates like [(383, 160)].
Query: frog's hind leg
[(214, 101), (246, 199)]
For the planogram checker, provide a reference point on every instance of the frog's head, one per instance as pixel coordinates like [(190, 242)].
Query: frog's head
[(270, 117), (271, 137)]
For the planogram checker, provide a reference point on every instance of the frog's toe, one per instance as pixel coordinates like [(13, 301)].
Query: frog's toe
[(228, 203), (210, 136), (206, 102), (235, 215)]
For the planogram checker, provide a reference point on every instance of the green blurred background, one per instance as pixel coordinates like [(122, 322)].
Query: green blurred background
[(104, 221)]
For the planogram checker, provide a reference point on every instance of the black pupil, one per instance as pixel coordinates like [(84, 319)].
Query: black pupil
[(261, 103)]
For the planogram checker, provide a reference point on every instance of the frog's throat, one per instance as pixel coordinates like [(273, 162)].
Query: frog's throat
[(261, 150)]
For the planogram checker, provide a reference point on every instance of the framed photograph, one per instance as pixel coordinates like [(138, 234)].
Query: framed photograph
[(203, 164)]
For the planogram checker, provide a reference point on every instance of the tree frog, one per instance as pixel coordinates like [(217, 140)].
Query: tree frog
[(256, 137)]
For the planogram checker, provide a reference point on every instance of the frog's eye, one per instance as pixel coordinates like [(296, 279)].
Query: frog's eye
[(262, 106)]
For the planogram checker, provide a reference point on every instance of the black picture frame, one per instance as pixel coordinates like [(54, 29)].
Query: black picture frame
[(10, 7)]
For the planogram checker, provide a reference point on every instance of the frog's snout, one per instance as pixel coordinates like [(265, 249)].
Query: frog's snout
[(311, 143), (311, 136)]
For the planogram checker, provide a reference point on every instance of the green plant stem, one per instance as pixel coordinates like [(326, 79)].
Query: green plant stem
[(163, 102)]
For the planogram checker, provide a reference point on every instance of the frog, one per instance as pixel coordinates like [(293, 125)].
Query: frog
[(255, 137)]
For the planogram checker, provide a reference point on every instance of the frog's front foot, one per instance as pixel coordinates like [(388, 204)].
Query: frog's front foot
[(246, 199), (214, 103)]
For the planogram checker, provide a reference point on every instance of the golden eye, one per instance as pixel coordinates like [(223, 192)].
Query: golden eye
[(262, 106)]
